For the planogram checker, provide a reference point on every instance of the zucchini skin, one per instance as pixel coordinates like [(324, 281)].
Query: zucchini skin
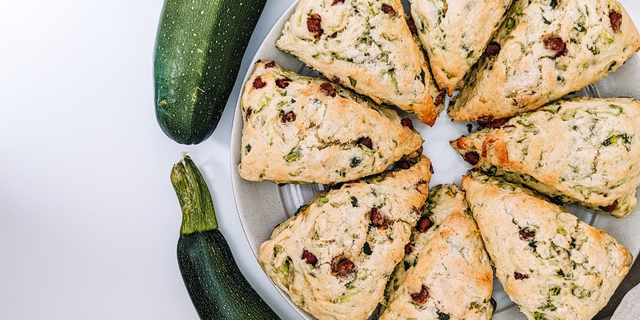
[(199, 48), (216, 286)]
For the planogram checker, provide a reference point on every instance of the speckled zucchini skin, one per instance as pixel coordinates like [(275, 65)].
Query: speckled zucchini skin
[(199, 48)]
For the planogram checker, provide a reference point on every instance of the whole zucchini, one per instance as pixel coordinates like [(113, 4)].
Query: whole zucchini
[(199, 48), (216, 286)]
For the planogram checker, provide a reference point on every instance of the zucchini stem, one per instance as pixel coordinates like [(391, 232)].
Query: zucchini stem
[(198, 214)]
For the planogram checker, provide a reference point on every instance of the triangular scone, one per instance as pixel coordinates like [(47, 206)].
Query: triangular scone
[(455, 34), (446, 273), (336, 254), (582, 151), (551, 264), (366, 46), (307, 130), (543, 51)]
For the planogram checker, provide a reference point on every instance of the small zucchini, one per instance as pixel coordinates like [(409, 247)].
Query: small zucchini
[(216, 286), (199, 48)]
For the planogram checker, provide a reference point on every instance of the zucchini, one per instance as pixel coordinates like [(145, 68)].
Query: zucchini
[(216, 286), (199, 48)]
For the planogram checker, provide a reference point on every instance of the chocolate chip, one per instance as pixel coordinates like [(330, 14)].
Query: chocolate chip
[(520, 276), (408, 248), (283, 83), (440, 97), (469, 127), (378, 220), (365, 142), (367, 249), (336, 79), (610, 208), (406, 122), (430, 167), (527, 234), (492, 49), (288, 117), (424, 224), (342, 267), (402, 165), (497, 123), (485, 120), (494, 304), (258, 83), (412, 26), (248, 115), (313, 25), (388, 9), (270, 64), (336, 2), (330, 90), (309, 257), (471, 157), (616, 20), (422, 296), (556, 46)]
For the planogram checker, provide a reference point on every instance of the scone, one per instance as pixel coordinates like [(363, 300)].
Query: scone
[(365, 46), (307, 130), (446, 273), (543, 51), (453, 43), (551, 264), (335, 256), (582, 151)]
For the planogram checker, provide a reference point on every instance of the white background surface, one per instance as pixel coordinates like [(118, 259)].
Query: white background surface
[(88, 218)]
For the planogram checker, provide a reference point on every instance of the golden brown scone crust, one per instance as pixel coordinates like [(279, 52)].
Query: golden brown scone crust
[(339, 225), (325, 141), (449, 260), (532, 68), (549, 263), (365, 46), (582, 151), (455, 34)]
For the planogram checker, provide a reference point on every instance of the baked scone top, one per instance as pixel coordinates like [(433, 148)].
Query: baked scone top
[(366, 46), (582, 151), (307, 130), (551, 264), (446, 272), (335, 256), (455, 34), (545, 50)]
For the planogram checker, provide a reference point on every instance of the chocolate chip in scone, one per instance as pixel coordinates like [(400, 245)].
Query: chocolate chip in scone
[(402, 165), (406, 122), (378, 220), (484, 120), (336, 2), (424, 224), (556, 46), (520, 276), (365, 141), (527, 234), (412, 26), (469, 127), (492, 49), (497, 123), (283, 83), (422, 296), (431, 167), (388, 9), (342, 267), (440, 97), (616, 20), (610, 208), (422, 181), (408, 248), (248, 115), (288, 117), (471, 157), (258, 83), (313, 25), (270, 64), (336, 79), (329, 89), (494, 304), (309, 257)]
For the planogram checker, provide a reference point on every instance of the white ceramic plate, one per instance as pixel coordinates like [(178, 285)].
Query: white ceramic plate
[(263, 205)]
